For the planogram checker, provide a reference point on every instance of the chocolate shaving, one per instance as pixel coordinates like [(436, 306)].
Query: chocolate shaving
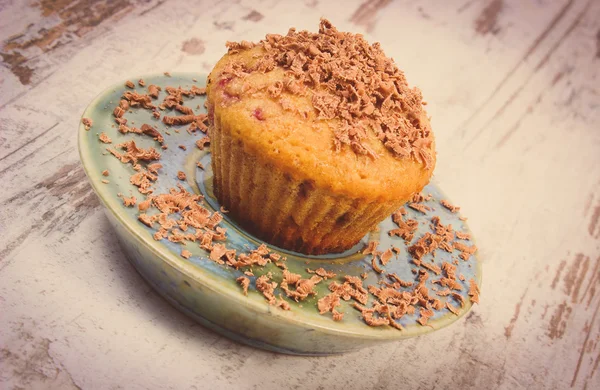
[(328, 303), (118, 112), (432, 267), (425, 314), (244, 282), (128, 202), (152, 132), (406, 229), (459, 298), (153, 168), (281, 303), (104, 138), (198, 91), (449, 206), (267, 288), (371, 248), (444, 292), (473, 291), (202, 142), (178, 120), (322, 272), (135, 99), (463, 236), (134, 153), (400, 282), (184, 109), (375, 266), (452, 309), (386, 256), (450, 279), (146, 220), (153, 90), (87, 123), (419, 207), (466, 251), (304, 287)]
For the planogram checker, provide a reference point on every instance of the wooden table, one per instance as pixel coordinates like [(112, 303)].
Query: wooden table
[(514, 91)]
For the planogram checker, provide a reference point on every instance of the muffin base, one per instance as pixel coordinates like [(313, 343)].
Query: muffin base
[(291, 214)]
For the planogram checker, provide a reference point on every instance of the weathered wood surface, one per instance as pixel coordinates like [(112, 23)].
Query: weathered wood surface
[(514, 91)]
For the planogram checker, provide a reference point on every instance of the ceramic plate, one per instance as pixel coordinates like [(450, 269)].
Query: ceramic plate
[(208, 291)]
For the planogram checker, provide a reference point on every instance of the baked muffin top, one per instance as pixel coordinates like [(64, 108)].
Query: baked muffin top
[(326, 107)]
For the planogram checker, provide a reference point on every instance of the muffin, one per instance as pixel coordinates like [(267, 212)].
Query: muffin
[(315, 138)]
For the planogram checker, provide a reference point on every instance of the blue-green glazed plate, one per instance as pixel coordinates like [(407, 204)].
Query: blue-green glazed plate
[(208, 291)]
